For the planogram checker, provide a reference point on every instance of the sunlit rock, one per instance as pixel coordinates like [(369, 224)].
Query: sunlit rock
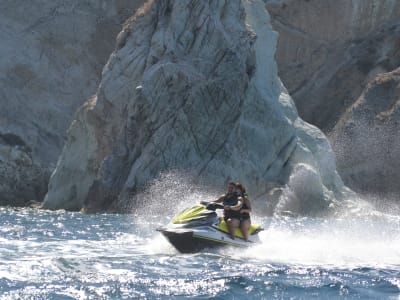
[(193, 88)]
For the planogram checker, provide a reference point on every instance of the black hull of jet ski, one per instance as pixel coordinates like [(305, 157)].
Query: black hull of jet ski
[(187, 242), (195, 240)]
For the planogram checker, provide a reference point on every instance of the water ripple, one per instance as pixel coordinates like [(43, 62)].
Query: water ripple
[(59, 255)]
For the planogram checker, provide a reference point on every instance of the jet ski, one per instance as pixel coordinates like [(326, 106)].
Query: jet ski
[(200, 227)]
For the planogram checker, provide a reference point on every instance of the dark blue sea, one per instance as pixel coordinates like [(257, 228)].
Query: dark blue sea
[(64, 255)]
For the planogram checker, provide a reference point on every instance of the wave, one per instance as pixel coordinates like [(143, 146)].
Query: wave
[(334, 242)]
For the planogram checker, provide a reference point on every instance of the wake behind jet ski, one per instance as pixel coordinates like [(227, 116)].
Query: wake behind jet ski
[(200, 227)]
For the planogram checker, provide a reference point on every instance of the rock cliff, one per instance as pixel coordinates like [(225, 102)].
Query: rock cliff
[(366, 138), (51, 57), (328, 51), (337, 59), (192, 87)]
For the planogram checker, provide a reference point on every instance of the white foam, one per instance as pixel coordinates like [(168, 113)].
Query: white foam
[(330, 243)]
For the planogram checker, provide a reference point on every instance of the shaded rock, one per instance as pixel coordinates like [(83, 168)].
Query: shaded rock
[(20, 178), (328, 51), (51, 57), (366, 139), (333, 57)]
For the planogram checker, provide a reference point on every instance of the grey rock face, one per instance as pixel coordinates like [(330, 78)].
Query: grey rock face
[(21, 180), (333, 56), (328, 51), (191, 88), (51, 57), (367, 140)]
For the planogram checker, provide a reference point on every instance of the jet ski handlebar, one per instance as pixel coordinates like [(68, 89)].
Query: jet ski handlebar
[(212, 205)]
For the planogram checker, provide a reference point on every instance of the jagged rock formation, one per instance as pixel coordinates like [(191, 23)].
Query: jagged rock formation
[(191, 88), (333, 56), (51, 56), (328, 51), (367, 140)]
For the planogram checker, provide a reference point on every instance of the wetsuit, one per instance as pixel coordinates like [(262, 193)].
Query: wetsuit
[(231, 200)]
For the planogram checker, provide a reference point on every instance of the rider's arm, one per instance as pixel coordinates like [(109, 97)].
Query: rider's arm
[(220, 199), (248, 204), (238, 206)]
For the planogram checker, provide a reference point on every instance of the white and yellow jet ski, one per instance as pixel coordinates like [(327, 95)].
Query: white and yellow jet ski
[(200, 227)]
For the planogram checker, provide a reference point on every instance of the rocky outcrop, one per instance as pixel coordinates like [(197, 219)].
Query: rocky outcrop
[(333, 56), (51, 57), (193, 89), (366, 139), (21, 180), (328, 51)]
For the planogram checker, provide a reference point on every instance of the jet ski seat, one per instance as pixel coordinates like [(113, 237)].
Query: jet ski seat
[(254, 228)]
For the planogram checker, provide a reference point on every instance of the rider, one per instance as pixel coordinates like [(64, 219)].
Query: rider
[(245, 211), (232, 204)]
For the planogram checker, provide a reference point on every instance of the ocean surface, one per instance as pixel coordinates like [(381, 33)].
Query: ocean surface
[(64, 255)]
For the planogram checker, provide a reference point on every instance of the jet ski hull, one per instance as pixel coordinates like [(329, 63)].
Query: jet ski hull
[(186, 242), (195, 240)]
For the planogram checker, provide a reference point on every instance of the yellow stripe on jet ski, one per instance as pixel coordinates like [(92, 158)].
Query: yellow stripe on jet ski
[(188, 214)]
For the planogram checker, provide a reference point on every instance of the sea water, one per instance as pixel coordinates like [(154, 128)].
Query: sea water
[(65, 255)]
